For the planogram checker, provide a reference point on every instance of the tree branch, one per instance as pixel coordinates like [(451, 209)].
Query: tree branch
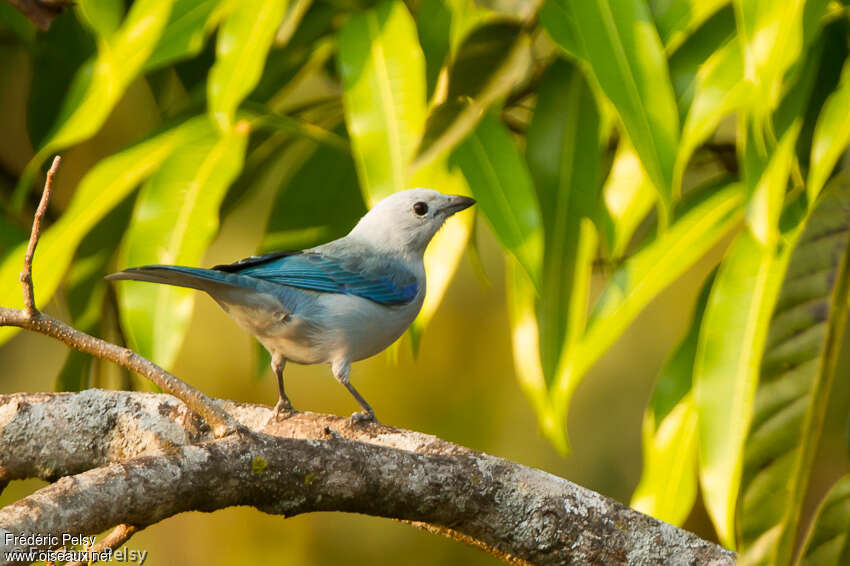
[(139, 458), (26, 274), (30, 318), (133, 459)]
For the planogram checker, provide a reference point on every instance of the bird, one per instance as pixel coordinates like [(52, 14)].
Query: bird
[(336, 303)]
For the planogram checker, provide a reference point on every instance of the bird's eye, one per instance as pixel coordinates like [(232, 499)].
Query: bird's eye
[(420, 208)]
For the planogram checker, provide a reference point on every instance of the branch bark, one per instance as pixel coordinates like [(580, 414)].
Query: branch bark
[(138, 458)]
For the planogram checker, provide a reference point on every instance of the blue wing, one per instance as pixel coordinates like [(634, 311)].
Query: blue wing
[(385, 284)]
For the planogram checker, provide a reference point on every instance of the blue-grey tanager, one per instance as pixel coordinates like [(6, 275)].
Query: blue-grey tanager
[(336, 303)]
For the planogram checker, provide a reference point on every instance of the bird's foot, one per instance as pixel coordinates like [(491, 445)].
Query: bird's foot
[(282, 410), (363, 417)]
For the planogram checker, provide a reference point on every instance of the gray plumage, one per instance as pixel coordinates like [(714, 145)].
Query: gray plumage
[(336, 303)]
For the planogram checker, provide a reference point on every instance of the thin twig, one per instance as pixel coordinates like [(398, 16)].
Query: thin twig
[(26, 274), (115, 539)]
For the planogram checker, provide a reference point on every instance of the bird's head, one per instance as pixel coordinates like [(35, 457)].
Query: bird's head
[(407, 220)]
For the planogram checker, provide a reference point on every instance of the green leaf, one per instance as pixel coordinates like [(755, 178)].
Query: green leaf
[(719, 90), (184, 35), (627, 195), (563, 154), (500, 181), (301, 216), (677, 19), (828, 540), (652, 269), (446, 249), (243, 42), (102, 16), (767, 196), (174, 220), (726, 371), (488, 64), (383, 75), (668, 484), (771, 33), (57, 56), (797, 371), (686, 62), (103, 187), (621, 45), (832, 135), (524, 311), (433, 24), (99, 85)]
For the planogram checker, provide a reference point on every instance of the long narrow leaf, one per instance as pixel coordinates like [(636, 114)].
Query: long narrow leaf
[(99, 84), (619, 41), (731, 342), (796, 375), (383, 74), (244, 40), (668, 484), (832, 135), (487, 65), (500, 181), (175, 218), (828, 539), (107, 184), (677, 19)]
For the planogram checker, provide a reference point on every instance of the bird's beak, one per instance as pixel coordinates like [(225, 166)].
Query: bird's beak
[(457, 203)]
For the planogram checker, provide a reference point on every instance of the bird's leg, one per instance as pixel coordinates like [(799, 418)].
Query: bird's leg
[(341, 370), (283, 404)]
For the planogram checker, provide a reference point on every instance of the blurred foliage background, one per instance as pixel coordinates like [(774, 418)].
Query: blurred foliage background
[(659, 266)]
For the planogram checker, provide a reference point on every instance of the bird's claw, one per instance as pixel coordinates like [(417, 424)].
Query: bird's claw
[(282, 411), (363, 417)]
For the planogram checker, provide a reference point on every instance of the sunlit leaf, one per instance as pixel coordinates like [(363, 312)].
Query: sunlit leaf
[(621, 45), (383, 74), (676, 19), (524, 311), (690, 57), (488, 63), (99, 84), (627, 195), (831, 136), (668, 484), (103, 187), (500, 181), (726, 371), (174, 220), (771, 33), (184, 35), (243, 41), (768, 195), (797, 370), (828, 539), (446, 249), (564, 156), (652, 269), (101, 16), (719, 89)]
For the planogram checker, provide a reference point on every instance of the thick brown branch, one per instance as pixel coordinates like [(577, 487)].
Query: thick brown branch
[(26, 274), (305, 463)]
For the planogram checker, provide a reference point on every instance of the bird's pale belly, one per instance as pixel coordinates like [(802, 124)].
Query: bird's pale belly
[(342, 327)]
